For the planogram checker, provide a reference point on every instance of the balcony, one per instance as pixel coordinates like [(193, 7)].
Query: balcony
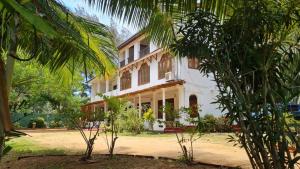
[(130, 59), (144, 51), (122, 63)]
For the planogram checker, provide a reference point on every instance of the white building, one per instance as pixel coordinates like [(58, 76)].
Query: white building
[(149, 76)]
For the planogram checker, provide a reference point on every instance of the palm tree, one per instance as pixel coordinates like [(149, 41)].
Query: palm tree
[(46, 32), (152, 16)]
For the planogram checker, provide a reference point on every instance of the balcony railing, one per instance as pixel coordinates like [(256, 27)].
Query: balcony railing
[(122, 63), (144, 52), (130, 59)]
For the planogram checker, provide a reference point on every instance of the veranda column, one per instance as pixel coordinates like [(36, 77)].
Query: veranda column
[(154, 104), (106, 85), (140, 106), (164, 103), (180, 96)]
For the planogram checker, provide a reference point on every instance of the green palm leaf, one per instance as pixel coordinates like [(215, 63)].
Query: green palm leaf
[(30, 16)]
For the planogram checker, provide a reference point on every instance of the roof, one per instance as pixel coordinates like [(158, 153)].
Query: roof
[(132, 38)]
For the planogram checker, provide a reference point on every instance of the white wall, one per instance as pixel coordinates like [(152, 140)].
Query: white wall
[(203, 87)]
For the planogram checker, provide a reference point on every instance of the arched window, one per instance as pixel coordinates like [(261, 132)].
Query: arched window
[(194, 106), (193, 63), (164, 66), (126, 80), (144, 74)]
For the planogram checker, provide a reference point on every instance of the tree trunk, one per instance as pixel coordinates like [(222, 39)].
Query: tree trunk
[(2, 139), (10, 62), (5, 121)]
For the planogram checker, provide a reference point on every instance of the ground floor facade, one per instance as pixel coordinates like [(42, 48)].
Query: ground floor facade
[(176, 94)]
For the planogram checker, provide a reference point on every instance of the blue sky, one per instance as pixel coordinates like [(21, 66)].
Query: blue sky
[(72, 4)]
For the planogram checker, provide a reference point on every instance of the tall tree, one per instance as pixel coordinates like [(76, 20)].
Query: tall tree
[(48, 33)]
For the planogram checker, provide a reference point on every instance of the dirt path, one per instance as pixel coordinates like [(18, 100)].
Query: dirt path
[(213, 149)]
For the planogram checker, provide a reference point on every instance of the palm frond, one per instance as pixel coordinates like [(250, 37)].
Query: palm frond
[(76, 44), (159, 17)]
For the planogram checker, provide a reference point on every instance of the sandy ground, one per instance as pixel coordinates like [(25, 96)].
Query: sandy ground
[(210, 149)]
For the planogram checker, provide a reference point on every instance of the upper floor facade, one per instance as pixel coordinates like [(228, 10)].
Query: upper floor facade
[(143, 65)]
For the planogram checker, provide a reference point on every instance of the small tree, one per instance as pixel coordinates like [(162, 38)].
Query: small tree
[(115, 107), (191, 134), (93, 128)]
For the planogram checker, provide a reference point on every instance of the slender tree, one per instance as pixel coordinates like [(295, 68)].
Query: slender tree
[(254, 57)]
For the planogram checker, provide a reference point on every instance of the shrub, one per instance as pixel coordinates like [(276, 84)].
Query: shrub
[(209, 122), (222, 125), (130, 121), (56, 124), (149, 117), (40, 123), (17, 125)]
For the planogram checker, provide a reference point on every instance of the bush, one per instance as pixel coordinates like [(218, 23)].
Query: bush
[(17, 125), (149, 117), (209, 123), (132, 122), (215, 124), (40, 123), (56, 124), (222, 125)]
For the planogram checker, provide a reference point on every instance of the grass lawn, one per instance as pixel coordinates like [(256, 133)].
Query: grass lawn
[(25, 146)]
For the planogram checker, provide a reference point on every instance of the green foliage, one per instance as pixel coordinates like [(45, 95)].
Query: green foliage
[(130, 120), (149, 117), (222, 125), (171, 115), (209, 121), (39, 123), (254, 57), (37, 92), (56, 124), (190, 135)]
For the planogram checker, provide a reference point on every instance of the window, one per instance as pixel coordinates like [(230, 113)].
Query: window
[(164, 66), (144, 74), (193, 63), (131, 54), (122, 59), (126, 80), (193, 106)]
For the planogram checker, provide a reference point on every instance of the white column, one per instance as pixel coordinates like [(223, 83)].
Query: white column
[(140, 105), (136, 50), (180, 96), (164, 102), (126, 55), (107, 85), (154, 104)]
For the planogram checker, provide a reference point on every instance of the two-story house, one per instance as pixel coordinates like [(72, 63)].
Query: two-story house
[(151, 77)]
